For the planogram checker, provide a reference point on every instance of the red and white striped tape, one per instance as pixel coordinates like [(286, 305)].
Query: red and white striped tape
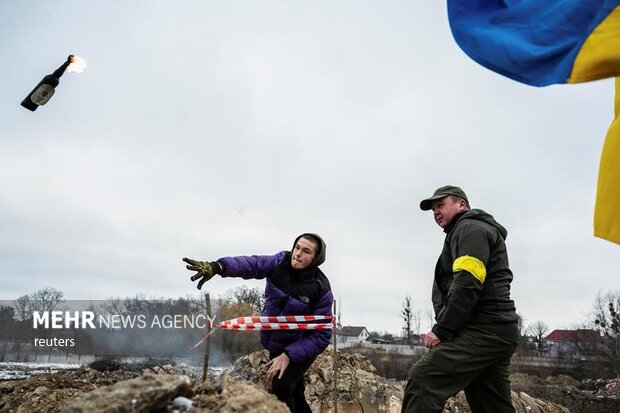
[(275, 319), (275, 326), (281, 322)]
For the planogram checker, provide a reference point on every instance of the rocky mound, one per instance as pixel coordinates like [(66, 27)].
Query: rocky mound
[(171, 393), (360, 389), (355, 386), (91, 391), (47, 393)]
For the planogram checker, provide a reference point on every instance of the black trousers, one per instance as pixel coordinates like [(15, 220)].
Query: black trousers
[(474, 361), (290, 388)]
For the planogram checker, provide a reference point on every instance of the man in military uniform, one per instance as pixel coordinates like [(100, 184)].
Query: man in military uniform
[(476, 331)]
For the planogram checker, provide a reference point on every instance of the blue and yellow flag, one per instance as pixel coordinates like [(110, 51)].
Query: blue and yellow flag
[(540, 43)]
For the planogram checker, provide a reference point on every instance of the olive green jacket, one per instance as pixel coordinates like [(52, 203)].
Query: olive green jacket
[(472, 278)]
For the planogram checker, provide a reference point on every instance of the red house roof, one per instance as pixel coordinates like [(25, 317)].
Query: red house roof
[(572, 335)]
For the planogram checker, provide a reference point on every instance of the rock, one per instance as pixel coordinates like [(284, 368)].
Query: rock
[(612, 388), (325, 372), (240, 397), (250, 368), (182, 403), (522, 402), (255, 359), (180, 369), (147, 393)]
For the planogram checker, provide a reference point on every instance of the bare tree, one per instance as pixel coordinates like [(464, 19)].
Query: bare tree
[(429, 315), (44, 299), (417, 321), (113, 305), (524, 345), (7, 313), (407, 317), (138, 304), (22, 307), (234, 343), (254, 297), (607, 319), (539, 330), (7, 322), (521, 325)]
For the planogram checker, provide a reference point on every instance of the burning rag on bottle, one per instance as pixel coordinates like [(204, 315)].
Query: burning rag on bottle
[(46, 88)]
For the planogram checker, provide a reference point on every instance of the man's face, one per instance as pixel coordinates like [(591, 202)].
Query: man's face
[(303, 254), (445, 209)]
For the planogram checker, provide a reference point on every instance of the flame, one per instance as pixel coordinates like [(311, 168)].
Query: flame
[(77, 65)]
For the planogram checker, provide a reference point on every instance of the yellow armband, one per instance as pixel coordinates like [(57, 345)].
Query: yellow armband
[(472, 265)]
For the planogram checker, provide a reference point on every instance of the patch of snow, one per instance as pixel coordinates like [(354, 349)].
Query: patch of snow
[(24, 370), (31, 366)]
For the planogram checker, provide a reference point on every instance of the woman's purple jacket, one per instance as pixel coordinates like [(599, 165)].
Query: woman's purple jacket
[(299, 345)]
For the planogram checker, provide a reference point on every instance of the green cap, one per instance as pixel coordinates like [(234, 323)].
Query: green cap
[(442, 192)]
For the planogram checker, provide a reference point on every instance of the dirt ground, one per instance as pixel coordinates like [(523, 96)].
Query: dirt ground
[(587, 396), (242, 388)]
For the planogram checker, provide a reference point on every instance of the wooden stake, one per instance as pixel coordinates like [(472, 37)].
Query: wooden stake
[(205, 365), (335, 360)]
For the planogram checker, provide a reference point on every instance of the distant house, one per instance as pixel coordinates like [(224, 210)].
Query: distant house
[(415, 340), (575, 344), (378, 340), (352, 334)]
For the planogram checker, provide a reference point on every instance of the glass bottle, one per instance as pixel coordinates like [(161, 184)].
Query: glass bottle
[(44, 91)]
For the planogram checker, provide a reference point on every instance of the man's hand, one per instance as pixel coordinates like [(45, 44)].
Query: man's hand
[(431, 340), (205, 270), (277, 364)]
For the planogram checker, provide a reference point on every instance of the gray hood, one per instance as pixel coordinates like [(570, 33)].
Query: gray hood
[(480, 215), (320, 255)]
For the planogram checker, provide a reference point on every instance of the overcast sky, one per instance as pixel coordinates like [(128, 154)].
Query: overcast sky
[(206, 129)]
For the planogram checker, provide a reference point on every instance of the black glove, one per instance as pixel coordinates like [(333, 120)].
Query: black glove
[(205, 270)]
